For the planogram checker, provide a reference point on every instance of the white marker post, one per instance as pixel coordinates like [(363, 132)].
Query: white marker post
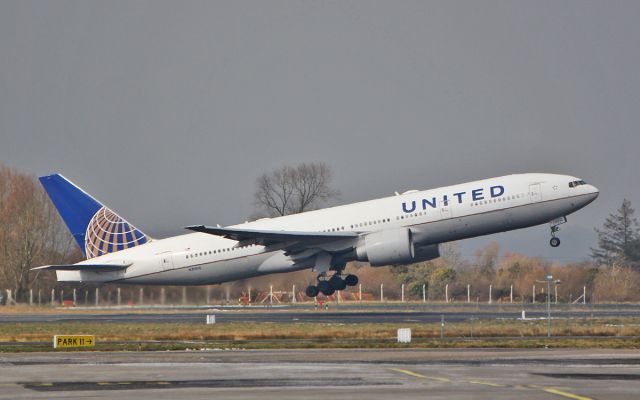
[(534, 294), (404, 335), (490, 295)]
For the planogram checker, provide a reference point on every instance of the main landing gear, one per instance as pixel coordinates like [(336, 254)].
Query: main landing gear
[(329, 286)]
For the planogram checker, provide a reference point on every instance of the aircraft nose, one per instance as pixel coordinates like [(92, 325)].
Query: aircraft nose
[(593, 193)]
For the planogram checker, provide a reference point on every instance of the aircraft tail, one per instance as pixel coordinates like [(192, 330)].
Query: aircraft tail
[(96, 228)]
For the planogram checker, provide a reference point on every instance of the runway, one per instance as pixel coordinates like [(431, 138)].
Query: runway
[(296, 315), (321, 374)]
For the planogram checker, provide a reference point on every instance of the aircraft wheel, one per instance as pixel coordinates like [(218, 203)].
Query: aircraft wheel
[(554, 242), (312, 291), (329, 291), (351, 280), (324, 287), (337, 283)]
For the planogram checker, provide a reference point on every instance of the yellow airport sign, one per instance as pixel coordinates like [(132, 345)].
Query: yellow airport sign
[(68, 341)]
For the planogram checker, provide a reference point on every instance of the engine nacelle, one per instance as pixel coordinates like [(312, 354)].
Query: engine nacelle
[(426, 253), (392, 246)]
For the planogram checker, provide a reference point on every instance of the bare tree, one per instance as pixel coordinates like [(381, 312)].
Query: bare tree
[(32, 233), (291, 190)]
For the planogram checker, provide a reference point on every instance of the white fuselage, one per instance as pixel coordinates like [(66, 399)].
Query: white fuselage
[(434, 216)]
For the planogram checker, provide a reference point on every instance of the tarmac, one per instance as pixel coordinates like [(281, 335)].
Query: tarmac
[(324, 373), (336, 315)]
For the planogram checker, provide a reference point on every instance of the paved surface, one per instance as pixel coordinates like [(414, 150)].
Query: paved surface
[(280, 316), (321, 374)]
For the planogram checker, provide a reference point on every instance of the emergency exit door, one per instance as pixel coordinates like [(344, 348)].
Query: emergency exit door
[(166, 261)]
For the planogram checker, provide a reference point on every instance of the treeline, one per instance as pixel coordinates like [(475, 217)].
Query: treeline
[(32, 234)]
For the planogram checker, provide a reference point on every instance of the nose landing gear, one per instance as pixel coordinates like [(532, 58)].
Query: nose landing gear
[(555, 227)]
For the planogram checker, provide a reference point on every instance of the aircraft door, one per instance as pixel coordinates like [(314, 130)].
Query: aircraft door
[(535, 193), (166, 261)]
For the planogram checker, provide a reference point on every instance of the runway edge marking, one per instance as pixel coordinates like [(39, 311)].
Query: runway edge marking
[(417, 375), (547, 389), (565, 394)]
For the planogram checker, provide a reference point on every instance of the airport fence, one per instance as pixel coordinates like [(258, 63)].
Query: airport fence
[(110, 295)]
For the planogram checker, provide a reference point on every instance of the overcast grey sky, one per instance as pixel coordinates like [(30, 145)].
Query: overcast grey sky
[(168, 111)]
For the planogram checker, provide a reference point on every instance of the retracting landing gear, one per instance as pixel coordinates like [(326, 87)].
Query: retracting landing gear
[(329, 286), (555, 227)]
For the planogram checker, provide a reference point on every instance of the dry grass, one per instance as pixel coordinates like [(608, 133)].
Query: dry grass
[(249, 331)]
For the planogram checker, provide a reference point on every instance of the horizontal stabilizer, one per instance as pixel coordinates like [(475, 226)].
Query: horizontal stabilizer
[(84, 267), (267, 237)]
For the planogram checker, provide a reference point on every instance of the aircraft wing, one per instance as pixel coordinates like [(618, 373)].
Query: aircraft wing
[(268, 237), (83, 267)]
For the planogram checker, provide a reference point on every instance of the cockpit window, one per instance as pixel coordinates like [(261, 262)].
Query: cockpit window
[(576, 183)]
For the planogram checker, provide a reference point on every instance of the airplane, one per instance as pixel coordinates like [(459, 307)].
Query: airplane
[(396, 230)]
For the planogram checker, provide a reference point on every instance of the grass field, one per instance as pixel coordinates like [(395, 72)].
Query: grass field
[(579, 332)]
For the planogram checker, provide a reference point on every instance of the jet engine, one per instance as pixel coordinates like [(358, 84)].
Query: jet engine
[(393, 246)]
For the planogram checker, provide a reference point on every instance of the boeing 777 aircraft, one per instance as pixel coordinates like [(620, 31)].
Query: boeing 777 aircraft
[(400, 229)]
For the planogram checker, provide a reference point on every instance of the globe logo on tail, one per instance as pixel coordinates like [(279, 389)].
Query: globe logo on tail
[(107, 232)]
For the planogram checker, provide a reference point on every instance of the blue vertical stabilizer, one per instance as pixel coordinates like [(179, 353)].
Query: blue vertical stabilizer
[(96, 228)]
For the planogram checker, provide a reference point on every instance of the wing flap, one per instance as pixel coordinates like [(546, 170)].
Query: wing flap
[(268, 237)]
